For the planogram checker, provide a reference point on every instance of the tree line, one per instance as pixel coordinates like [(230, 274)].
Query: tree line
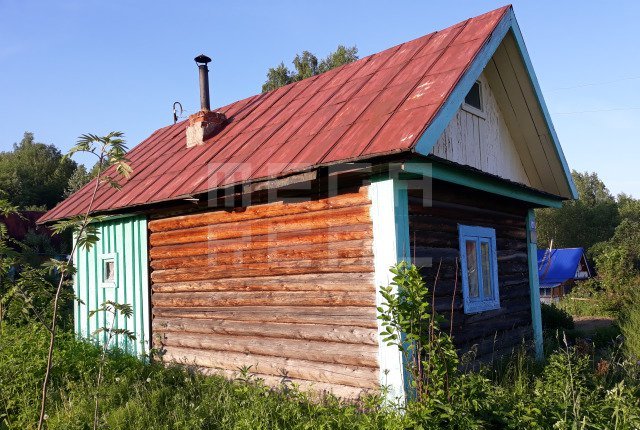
[(36, 175)]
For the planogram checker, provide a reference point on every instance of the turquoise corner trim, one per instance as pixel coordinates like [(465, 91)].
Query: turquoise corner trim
[(390, 222), (479, 181), (534, 284), (450, 108)]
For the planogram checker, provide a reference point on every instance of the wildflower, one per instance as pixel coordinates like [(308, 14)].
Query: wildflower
[(46, 417), (602, 367), (117, 379), (148, 379)]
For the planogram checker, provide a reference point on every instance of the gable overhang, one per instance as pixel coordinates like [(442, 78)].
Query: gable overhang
[(472, 178), (507, 26)]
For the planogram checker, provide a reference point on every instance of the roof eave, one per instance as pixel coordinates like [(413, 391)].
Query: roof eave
[(470, 177)]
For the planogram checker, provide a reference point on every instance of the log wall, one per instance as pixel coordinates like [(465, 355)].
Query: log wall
[(433, 224), (286, 288)]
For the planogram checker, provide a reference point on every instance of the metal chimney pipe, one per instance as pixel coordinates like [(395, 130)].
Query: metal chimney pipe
[(202, 61)]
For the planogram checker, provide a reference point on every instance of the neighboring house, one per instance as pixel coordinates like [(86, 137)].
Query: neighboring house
[(558, 269), (259, 234), (19, 224)]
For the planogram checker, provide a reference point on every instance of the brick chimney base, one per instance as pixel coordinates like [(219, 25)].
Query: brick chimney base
[(203, 125)]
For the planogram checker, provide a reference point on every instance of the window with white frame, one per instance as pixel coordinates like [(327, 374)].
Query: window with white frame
[(109, 270), (479, 264)]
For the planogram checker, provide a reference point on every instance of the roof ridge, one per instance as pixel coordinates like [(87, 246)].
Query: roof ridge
[(364, 109)]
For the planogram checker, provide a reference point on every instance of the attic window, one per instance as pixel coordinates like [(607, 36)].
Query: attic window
[(474, 97)]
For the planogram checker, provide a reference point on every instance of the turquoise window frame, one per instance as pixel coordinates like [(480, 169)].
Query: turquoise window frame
[(479, 235)]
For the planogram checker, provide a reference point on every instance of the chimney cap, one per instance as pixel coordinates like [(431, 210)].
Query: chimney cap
[(202, 59)]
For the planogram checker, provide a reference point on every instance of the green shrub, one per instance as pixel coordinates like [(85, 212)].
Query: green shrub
[(554, 318), (630, 327), (590, 298), (410, 324), (573, 390)]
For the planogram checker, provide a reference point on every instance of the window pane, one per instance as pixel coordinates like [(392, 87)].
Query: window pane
[(109, 271), (474, 97), (486, 270), (472, 268)]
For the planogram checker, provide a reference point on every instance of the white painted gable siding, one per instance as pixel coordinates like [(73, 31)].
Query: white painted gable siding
[(483, 142)]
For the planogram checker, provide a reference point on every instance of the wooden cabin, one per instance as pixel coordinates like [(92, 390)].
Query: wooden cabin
[(258, 234), (558, 270)]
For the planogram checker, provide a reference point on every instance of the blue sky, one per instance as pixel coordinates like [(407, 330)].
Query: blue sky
[(78, 66)]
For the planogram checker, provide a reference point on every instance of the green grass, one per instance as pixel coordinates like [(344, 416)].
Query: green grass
[(136, 395), (589, 307), (570, 391)]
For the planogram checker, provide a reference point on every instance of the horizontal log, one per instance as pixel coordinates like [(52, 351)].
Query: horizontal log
[(508, 256), (428, 238), (445, 214), (319, 332), (319, 252), (446, 281), (277, 366), (494, 343), (284, 383), (350, 265), (325, 219), (259, 212), (453, 199), (313, 351), (267, 241), (265, 298), (505, 312), (357, 282), (341, 316), (450, 225), (480, 331)]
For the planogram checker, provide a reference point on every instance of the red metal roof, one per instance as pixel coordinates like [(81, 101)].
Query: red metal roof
[(378, 105)]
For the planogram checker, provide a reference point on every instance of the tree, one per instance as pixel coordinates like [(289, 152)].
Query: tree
[(78, 179), (618, 259), (580, 223), (34, 174), (307, 65), (277, 77), (111, 152), (628, 207), (341, 56)]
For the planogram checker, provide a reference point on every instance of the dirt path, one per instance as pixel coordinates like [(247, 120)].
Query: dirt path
[(591, 324)]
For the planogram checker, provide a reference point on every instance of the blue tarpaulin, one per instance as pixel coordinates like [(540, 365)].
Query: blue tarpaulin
[(558, 265)]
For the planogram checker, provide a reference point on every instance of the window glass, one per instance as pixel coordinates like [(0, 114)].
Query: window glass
[(108, 274), (474, 98), (472, 269), (487, 290), (480, 290)]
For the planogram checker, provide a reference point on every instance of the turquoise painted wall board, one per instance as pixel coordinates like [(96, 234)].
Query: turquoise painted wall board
[(125, 241)]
